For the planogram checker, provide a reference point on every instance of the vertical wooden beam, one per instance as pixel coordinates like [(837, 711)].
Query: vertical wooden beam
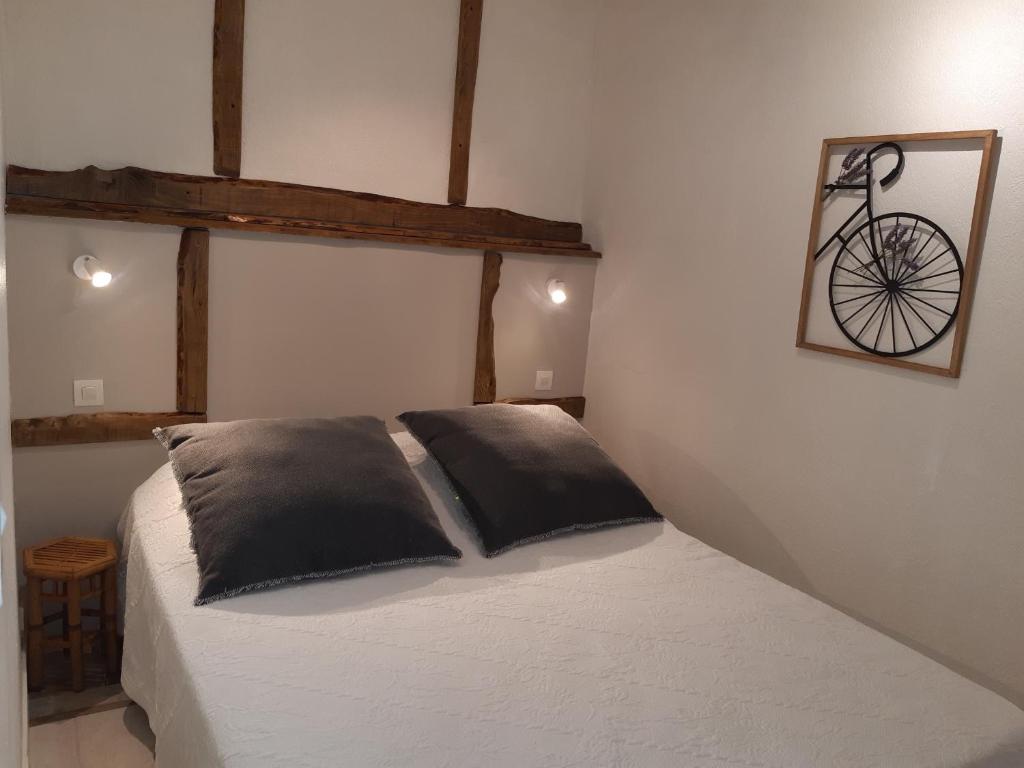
[(193, 295), (228, 34), (470, 14), (484, 380)]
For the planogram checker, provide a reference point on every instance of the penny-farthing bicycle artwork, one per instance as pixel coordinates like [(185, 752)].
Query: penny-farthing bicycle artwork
[(899, 281)]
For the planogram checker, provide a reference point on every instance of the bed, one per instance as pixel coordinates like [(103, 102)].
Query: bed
[(632, 646)]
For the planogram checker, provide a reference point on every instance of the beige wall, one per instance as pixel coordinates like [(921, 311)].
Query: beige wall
[(11, 690), (894, 495), (533, 334), (348, 94)]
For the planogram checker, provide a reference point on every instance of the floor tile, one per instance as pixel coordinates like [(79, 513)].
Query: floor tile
[(54, 745), (56, 703), (116, 738)]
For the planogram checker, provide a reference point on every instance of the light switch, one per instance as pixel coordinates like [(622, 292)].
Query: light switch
[(544, 380), (88, 392)]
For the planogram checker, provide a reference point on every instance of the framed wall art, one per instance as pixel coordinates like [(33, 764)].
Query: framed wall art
[(894, 247)]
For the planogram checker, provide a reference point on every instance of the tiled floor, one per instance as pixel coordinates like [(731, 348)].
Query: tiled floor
[(98, 727), (58, 703), (114, 738)]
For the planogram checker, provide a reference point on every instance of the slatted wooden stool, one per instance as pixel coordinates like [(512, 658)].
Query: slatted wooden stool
[(66, 563)]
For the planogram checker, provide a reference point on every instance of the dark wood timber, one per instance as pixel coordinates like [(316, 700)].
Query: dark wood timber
[(41, 206), (574, 406), (94, 427), (470, 15), (484, 380), (228, 27), (193, 294), (135, 194)]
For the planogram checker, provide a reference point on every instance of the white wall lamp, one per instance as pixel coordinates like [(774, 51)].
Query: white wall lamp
[(88, 267), (556, 290)]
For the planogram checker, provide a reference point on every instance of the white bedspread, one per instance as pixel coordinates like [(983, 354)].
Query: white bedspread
[(637, 646)]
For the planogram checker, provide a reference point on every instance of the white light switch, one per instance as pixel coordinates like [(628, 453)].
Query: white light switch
[(544, 380), (88, 392)]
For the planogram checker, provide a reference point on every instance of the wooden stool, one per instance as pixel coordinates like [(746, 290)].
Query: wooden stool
[(67, 562)]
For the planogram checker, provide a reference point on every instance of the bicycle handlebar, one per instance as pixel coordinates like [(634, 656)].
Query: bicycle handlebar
[(890, 177)]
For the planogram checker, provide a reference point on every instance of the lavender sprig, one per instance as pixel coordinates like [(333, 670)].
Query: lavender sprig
[(898, 245), (849, 175), (851, 157)]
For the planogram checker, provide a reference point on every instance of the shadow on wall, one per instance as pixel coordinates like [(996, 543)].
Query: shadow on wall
[(1009, 755), (716, 515), (970, 673), (713, 513)]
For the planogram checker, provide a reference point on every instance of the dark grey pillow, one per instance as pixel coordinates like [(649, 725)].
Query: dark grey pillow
[(526, 472), (272, 501)]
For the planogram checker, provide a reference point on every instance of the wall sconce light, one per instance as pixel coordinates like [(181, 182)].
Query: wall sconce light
[(88, 267), (556, 290)]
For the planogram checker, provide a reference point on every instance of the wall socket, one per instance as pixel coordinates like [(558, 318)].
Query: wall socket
[(544, 380), (88, 392)]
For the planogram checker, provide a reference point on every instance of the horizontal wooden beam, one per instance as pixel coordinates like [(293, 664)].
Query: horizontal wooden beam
[(39, 206), (94, 427), (574, 406), (153, 197)]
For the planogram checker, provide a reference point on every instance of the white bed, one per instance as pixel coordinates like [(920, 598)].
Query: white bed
[(636, 646)]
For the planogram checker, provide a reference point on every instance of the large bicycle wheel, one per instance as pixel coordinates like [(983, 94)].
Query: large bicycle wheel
[(894, 289)]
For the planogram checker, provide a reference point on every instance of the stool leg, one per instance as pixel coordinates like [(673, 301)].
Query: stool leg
[(75, 633), (34, 619), (62, 589), (110, 621)]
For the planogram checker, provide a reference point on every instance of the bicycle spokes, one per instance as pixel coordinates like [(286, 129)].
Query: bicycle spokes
[(894, 289)]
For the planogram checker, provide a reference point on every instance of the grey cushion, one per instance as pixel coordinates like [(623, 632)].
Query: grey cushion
[(271, 501), (526, 472)]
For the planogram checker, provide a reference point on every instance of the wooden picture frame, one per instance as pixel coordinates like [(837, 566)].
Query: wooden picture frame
[(971, 260), (190, 387)]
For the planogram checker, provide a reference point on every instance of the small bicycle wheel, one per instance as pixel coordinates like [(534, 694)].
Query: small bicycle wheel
[(895, 284)]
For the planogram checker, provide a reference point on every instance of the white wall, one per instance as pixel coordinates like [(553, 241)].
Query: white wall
[(534, 334), (11, 691), (896, 496), (353, 94)]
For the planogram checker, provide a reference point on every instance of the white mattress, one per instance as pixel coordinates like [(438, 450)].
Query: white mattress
[(635, 646)]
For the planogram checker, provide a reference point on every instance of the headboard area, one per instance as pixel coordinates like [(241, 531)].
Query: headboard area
[(292, 296)]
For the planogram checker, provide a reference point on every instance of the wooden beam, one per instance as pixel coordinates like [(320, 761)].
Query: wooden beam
[(251, 198), (135, 194), (470, 15), (574, 406), (94, 427), (228, 34), (193, 294), (484, 380), (41, 206)]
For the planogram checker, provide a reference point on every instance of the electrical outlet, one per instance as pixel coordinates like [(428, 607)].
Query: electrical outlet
[(88, 392), (544, 380)]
